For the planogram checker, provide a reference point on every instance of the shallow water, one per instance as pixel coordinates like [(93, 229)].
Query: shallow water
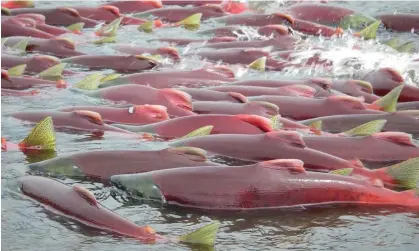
[(28, 226)]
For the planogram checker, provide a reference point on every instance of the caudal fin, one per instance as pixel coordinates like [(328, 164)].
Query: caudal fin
[(190, 22), (53, 73), (370, 32), (17, 71), (110, 77), (147, 27), (388, 103), (343, 171), (76, 28), (355, 21), (109, 30), (90, 82), (105, 40), (259, 64), (204, 236), (406, 173), (276, 122), (42, 137), (367, 128), (203, 131)]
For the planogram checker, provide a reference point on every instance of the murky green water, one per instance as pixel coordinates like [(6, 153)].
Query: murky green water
[(28, 226)]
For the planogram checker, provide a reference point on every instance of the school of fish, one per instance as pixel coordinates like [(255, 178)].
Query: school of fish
[(292, 142)]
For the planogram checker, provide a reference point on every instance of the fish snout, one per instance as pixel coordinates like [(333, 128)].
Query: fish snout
[(138, 186)]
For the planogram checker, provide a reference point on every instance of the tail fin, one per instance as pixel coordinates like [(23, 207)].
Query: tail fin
[(42, 137), (110, 77), (259, 64), (369, 32), (90, 82), (17, 71), (408, 47), (405, 173), (204, 236), (53, 73), (276, 122), (147, 27), (22, 45), (76, 28), (343, 171), (367, 128), (109, 30), (5, 11), (203, 131), (191, 21), (388, 103), (105, 40)]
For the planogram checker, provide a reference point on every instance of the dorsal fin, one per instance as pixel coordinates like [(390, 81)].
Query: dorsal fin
[(369, 32), (192, 20), (316, 127), (76, 28), (93, 117), (53, 73), (23, 45), (352, 102), (70, 11), (260, 122), (290, 137), (224, 70), (365, 86), (366, 129), (178, 98), (105, 40), (110, 77), (396, 137), (290, 165), (193, 153), (87, 195), (267, 105), (5, 11), (237, 96)]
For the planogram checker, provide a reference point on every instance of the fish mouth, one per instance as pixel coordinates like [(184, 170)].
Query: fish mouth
[(139, 186)]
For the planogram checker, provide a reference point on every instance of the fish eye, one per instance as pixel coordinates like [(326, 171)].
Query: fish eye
[(131, 110)]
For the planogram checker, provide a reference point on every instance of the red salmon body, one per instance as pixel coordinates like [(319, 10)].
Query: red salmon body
[(402, 121), (300, 108), (118, 63), (201, 94), (278, 43), (17, 26), (7, 92), (178, 103), (266, 185), (176, 14), (255, 19), (59, 47), (355, 88), (105, 13), (136, 6), (414, 105), (320, 13), (290, 90), (264, 109), (222, 124), (386, 79), (22, 83), (311, 28), (383, 146), (401, 21), (58, 16), (101, 165), (34, 64), (77, 120), (136, 50), (272, 145), (136, 115), (81, 205)]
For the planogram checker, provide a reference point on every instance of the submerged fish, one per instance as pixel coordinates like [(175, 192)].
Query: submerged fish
[(80, 204), (281, 183)]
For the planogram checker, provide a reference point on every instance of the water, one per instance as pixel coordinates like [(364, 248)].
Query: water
[(27, 225)]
